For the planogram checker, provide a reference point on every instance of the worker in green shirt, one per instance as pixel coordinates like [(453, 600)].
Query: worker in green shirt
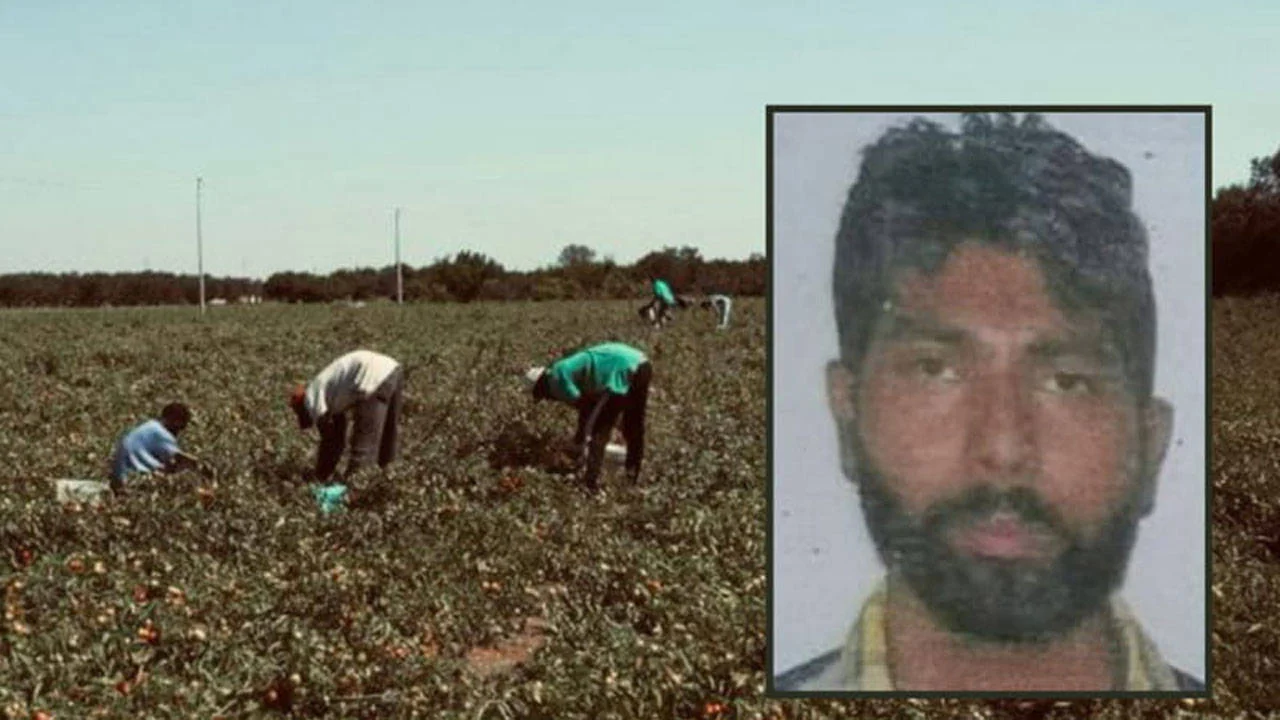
[(602, 382), (658, 311)]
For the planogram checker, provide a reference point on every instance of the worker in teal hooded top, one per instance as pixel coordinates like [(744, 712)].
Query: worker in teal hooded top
[(662, 291), (603, 382), (658, 310)]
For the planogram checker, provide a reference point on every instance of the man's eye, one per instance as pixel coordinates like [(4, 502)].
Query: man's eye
[(1067, 383), (935, 368)]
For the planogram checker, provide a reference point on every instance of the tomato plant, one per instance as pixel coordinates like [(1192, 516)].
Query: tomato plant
[(482, 574)]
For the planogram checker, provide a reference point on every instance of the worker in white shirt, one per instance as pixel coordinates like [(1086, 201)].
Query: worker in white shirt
[(370, 386), (722, 304)]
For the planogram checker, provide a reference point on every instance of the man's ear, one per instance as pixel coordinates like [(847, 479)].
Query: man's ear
[(842, 400), (1157, 422)]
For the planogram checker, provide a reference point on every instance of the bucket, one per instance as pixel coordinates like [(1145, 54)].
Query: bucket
[(615, 453), (81, 491)]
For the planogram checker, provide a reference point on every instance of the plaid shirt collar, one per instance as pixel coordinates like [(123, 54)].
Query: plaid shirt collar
[(864, 663)]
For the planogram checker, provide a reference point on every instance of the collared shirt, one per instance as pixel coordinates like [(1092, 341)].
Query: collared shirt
[(604, 368), (722, 305), (144, 449), (346, 381), (863, 664)]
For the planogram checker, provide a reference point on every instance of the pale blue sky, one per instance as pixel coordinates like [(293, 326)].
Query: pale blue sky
[(516, 128)]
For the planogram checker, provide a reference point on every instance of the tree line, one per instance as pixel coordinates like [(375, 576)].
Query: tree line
[(1246, 232), (465, 277)]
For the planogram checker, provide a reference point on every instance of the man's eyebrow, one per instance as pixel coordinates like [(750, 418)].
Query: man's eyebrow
[(900, 327), (1089, 346)]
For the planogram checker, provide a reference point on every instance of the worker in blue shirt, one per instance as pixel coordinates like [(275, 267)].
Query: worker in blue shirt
[(152, 446)]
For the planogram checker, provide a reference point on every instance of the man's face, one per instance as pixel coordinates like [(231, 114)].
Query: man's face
[(999, 444)]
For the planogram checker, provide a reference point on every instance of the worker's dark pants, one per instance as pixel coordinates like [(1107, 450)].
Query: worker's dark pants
[(657, 311), (632, 408), (377, 424)]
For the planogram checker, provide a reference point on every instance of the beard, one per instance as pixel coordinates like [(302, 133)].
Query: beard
[(997, 599)]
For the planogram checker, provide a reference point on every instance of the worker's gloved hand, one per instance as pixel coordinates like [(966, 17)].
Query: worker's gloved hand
[(330, 497)]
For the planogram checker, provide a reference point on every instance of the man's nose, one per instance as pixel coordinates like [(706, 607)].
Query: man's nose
[(1002, 429)]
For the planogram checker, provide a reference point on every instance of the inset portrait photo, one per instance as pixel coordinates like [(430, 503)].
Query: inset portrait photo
[(988, 403)]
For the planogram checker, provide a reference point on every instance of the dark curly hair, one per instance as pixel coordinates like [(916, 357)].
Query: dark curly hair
[(176, 416), (1019, 186)]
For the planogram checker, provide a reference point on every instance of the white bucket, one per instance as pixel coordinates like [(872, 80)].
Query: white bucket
[(615, 452), (82, 491)]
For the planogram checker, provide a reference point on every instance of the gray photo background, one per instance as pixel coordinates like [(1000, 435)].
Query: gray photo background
[(823, 562)]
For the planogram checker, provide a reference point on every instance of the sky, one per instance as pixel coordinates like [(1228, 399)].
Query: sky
[(514, 129)]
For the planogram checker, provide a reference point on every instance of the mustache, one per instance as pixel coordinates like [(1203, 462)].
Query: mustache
[(985, 501)]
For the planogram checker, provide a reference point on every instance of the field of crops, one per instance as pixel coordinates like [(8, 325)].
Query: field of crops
[(1246, 503), (487, 585)]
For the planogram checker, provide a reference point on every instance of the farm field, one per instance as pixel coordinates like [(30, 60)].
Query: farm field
[(487, 585), (1246, 504)]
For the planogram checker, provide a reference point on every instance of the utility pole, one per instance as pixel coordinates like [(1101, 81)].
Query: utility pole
[(199, 246), (399, 268)]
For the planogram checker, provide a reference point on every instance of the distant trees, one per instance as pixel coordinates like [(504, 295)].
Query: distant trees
[(678, 266), (95, 289), (467, 274), (296, 287), (1246, 231), (575, 256), (577, 273), (688, 272), (739, 278)]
